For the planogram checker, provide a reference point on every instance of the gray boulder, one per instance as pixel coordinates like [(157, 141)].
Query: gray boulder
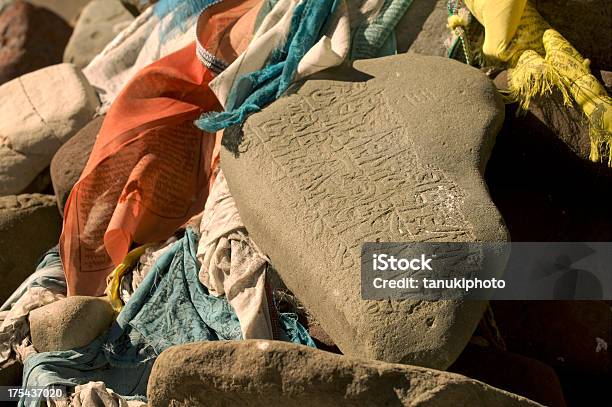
[(68, 9), (70, 160), (99, 22), (69, 323), (270, 373), (392, 152), (29, 225), (585, 23), (40, 112), (137, 6), (422, 29)]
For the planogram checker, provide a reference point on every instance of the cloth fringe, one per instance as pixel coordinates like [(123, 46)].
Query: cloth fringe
[(565, 70)]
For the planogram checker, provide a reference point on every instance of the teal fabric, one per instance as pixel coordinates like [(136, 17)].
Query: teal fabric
[(308, 25), (310, 20), (170, 307), (369, 39), (184, 12)]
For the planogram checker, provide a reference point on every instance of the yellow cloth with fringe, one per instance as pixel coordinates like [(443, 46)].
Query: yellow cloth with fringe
[(541, 61)]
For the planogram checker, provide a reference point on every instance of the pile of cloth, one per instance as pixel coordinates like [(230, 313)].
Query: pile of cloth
[(151, 225)]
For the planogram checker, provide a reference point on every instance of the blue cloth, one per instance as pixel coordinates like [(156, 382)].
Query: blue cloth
[(308, 25), (376, 38), (170, 307), (183, 13), (49, 274)]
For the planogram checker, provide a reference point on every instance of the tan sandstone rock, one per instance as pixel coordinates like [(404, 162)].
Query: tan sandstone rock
[(393, 151), (40, 112), (68, 9), (270, 373), (70, 323), (29, 226), (98, 24)]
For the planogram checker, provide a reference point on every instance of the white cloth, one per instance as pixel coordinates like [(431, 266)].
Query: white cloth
[(15, 343), (95, 394), (231, 263), (134, 48), (270, 35), (133, 279), (331, 50)]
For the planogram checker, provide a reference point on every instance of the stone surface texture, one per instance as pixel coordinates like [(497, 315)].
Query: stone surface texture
[(29, 226), (69, 323), (69, 161), (68, 9), (422, 29), (137, 6), (539, 329), (376, 156), (271, 373), (31, 38), (512, 372), (40, 112), (98, 24), (587, 24)]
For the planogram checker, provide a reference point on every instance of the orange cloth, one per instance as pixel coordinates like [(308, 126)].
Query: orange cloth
[(151, 168)]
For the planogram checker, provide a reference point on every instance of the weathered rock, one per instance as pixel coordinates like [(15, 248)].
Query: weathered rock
[(568, 335), (137, 6), (68, 9), (98, 24), (41, 184), (398, 157), (540, 178), (585, 23), (606, 79), (11, 376), (270, 373), (29, 225), (422, 29), (69, 323), (40, 112), (69, 161), (514, 373), (567, 123), (31, 37)]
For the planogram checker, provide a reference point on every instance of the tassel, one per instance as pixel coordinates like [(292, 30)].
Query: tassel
[(534, 77)]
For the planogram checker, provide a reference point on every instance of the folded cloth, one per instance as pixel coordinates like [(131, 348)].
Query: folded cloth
[(45, 286), (170, 307), (157, 32), (297, 39), (374, 23), (150, 168), (232, 265), (134, 278), (95, 394), (310, 21)]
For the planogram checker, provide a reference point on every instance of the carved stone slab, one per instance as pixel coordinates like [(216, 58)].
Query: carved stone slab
[(392, 150)]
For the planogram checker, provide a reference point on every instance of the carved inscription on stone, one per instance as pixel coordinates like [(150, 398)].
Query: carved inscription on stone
[(334, 146)]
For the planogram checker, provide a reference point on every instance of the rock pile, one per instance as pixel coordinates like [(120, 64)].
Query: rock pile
[(405, 148)]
